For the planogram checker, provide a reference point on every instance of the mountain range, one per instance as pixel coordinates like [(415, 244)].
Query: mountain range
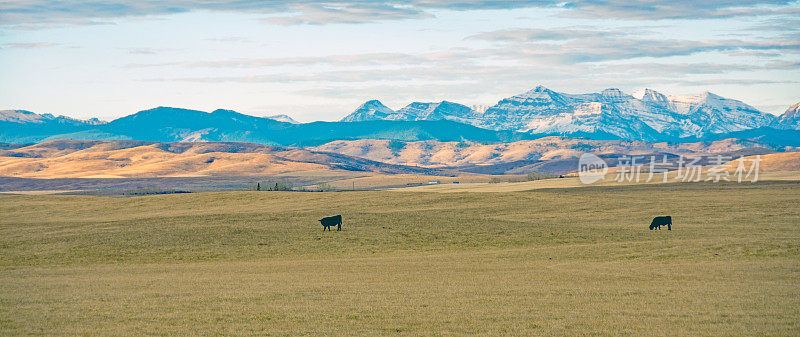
[(611, 114), (644, 115), (165, 124)]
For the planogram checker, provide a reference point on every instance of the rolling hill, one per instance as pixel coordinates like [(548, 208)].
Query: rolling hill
[(132, 159), (463, 154)]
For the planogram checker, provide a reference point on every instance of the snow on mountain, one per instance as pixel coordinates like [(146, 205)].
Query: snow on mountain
[(653, 97), (718, 114), (26, 117), (417, 111), (645, 115), (371, 111), (23, 116), (611, 111), (443, 110), (479, 109), (283, 118), (789, 119), (593, 118)]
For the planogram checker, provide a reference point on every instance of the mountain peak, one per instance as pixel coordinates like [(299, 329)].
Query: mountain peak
[(612, 92), (23, 116), (789, 119), (167, 109), (794, 108), (372, 103), (225, 112), (283, 118), (369, 111), (650, 95), (540, 92), (540, 89)]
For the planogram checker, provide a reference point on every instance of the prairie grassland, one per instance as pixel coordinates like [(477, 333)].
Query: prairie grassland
[(576, 261), (386, 181), (573, 181)]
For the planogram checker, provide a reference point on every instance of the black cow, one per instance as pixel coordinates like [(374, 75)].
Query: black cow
[(330, 221), (661, 221)]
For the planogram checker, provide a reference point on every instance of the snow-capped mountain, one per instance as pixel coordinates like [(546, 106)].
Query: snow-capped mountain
[(283, 118), (417, 111), (717, 114), (443, 110), (22, 126), (645, 115), (790, 119), (24, 117), (371, 111)]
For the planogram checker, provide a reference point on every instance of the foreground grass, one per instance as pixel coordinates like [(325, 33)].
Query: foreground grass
[(552, 261)]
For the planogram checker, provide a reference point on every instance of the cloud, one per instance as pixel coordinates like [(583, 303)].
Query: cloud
[(525, 47), (680, 9), (565, 46), (46, 12), (347, 13), (31, 45), (456, 72), (142, 51), (359, 59), (783, 65), (526, 35), (224, 39)]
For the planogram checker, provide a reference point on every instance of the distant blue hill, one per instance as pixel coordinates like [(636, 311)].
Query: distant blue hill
[(165, 124)]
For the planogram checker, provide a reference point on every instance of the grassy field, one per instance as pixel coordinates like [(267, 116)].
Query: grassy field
[(570, 182), (576, 261)]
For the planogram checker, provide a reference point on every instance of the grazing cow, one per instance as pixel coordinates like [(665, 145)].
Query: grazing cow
[(330, 221), (661, 221)]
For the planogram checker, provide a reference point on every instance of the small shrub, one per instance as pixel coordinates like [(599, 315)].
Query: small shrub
[(396, 146), (324, 187)]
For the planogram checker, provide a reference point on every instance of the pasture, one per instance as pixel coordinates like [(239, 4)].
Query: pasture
[(551, 261)]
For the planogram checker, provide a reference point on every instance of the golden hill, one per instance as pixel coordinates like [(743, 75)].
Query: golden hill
[(774, 162), (445, 154), (128, 159)]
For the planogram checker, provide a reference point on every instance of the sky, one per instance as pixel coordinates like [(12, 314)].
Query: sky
[(319, 60)]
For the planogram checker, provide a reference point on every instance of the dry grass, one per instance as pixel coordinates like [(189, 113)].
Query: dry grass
[(381, 181), (574, 261), (572, 181), (775, 162)]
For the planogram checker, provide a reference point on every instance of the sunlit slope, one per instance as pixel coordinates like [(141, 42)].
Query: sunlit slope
[(440, 154), (87, 159), (774, 162)]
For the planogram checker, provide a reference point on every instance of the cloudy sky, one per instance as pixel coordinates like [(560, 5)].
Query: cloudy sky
[(319, 60)]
